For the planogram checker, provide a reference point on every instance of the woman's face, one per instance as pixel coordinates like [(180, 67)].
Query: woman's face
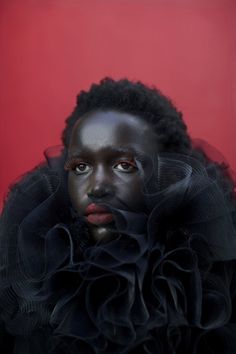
[(105, 155)]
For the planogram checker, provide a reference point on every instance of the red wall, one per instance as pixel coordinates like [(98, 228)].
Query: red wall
[(51, 49)]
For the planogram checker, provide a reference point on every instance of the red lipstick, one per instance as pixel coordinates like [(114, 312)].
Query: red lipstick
[(97, 215)]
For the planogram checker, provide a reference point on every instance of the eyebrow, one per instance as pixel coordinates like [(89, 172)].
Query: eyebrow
[(115, 150)]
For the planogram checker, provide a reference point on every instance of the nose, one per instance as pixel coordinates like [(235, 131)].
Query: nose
[(101, 186)]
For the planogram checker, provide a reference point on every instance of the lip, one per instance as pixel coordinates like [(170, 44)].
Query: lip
[(97, 215), (95, 209)]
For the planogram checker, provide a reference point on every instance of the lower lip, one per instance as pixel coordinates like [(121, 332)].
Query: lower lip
[(99, 218)]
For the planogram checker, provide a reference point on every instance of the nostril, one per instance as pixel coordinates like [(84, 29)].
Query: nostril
[(100, 192)]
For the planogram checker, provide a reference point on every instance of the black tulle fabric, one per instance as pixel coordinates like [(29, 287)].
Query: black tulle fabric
[(165, 284)]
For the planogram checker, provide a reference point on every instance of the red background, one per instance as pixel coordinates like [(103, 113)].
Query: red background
[(51, 49)]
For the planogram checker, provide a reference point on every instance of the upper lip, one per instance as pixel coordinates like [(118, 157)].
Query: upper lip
[(95, 209)]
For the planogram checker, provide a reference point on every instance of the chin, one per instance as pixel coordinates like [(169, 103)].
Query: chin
[(102, 232)]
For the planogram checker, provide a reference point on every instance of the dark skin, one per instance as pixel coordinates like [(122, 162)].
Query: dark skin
[(107, 155)]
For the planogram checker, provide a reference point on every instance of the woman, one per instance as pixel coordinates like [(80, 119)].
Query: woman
[(125, 242)]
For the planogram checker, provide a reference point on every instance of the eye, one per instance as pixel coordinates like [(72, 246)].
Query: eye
[(78, 167), (81, 168), (126, 166)]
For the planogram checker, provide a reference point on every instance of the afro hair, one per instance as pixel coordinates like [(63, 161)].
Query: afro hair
[(137, 99)]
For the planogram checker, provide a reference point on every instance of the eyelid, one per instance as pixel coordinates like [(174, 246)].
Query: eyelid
[(129, 162), (73, 167), (72, 162), (82, 172)]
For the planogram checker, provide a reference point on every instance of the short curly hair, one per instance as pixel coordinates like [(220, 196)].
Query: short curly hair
[(137, 99)]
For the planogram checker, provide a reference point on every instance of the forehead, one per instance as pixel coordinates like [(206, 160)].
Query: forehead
[(101, 130)]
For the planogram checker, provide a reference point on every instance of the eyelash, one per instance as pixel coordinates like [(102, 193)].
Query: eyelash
[(74, 162), (130, 163)]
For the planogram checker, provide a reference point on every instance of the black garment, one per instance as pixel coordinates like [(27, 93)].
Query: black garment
[(166, 284)]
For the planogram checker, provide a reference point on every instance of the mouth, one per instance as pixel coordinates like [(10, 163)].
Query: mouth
[(98, 215)]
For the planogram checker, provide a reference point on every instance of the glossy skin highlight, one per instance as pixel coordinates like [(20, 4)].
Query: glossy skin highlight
[(104, 156)]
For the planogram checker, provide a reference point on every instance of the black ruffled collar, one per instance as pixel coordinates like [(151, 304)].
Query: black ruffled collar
[(166, 286)]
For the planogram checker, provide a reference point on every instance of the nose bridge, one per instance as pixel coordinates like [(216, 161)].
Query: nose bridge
[(100, 175), (100, 183)]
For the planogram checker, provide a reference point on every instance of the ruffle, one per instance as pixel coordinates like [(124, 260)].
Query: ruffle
[(164, 284)]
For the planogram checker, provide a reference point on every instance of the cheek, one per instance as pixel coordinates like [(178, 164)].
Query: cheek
[(76, 193), (132, 192)]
